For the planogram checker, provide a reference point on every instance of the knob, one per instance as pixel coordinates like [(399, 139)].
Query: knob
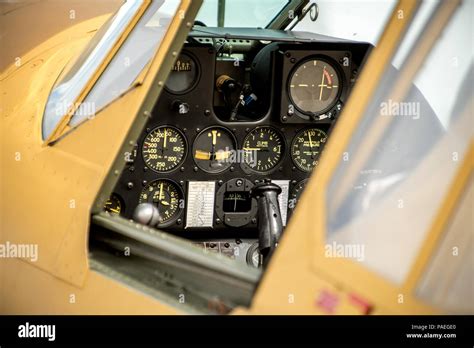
[(147, 214)]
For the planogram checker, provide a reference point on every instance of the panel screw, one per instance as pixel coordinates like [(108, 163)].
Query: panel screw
[(195, 169), (254, 220), (239, 182), (207, 112), (130, 185)]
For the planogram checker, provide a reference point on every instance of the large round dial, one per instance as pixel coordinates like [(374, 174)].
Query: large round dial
[(314, 86), (166, 196), (306, 148), (212, 149), (263, 149), (164, 149)]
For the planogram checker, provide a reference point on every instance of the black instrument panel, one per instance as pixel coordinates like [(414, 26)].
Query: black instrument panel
[(223, 124)]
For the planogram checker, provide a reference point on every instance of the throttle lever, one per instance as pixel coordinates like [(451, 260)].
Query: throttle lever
[(270, 224)]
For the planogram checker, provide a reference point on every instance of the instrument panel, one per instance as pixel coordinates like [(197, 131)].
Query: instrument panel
[(224, 124)]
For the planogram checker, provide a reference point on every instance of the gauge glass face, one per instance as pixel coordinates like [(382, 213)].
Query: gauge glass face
[(306, 148), (164, 149), (237, 202), (166, 196), (183, 75), (314, 86), (263, 149), (113, 205), (213, 149)]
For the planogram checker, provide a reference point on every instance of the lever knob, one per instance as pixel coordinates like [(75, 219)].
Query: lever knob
[(270, 224)]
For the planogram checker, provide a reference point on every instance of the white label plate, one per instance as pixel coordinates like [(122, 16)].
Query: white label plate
[(200, 211)]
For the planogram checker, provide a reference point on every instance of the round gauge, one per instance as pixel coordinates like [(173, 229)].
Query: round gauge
[(113, 205), (164, 149), (213, 148), (166, 196), (184, 75), (306, 148), (296, 193), (314, 86), (263, 149)]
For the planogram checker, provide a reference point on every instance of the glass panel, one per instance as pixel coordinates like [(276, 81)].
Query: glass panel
[(448, 282), (358, 20), (240, 13), (391, 181), (68, 87), (133, 56)]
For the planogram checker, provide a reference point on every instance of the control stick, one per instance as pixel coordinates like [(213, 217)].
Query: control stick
[(270, 225)]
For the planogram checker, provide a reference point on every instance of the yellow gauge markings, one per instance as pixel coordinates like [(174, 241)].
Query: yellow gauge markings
[(310, 141), (252, 148), (166, 137), (214, 137), (202, 155), (161, 192)]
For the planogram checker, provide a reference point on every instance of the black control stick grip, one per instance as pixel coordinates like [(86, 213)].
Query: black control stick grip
[(270, 224)]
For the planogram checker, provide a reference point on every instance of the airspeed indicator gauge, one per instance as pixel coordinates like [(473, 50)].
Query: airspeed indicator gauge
[(164, 149)]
